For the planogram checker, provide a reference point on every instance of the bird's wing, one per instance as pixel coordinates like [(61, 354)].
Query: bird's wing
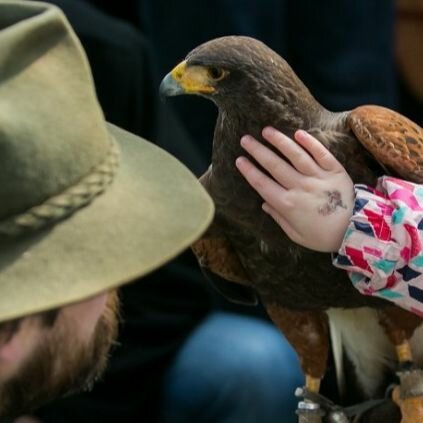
[(393, 140), (220, 263)]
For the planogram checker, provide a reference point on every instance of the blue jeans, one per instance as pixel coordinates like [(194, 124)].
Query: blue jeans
[(232, 369)]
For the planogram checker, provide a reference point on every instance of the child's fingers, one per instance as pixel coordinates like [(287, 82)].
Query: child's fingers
[(323, 157), (300, 159), (265, 186), (281, 171)]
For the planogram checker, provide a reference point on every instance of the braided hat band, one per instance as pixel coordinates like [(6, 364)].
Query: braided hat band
[(67, 202)]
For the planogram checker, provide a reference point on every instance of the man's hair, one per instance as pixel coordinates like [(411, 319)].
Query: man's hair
[(11, 327)]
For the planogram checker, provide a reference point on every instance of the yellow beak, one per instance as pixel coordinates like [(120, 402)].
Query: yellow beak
[(185, 79)]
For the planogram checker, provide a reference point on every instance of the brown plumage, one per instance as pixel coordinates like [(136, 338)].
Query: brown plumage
[(253, 87)]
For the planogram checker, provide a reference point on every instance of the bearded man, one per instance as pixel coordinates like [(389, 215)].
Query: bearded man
[(84, 208)]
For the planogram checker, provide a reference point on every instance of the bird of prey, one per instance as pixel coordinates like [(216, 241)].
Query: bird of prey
[(246, 253)]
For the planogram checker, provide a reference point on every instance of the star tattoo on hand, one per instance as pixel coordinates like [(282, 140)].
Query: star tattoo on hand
[(334, 201)]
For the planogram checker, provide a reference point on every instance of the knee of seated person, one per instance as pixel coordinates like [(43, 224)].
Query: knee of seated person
[(257, 354), (234, 353)]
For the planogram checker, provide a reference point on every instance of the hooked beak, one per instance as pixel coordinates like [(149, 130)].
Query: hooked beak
[(184, 79), (169, 87)]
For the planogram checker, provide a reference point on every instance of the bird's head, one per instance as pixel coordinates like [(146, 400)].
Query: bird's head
[(237, 71)]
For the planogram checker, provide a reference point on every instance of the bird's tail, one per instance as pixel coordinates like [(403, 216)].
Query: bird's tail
[(357, 335), (338, 353)]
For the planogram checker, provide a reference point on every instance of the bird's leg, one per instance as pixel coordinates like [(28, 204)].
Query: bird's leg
[(399, 325), (307, 332), (312, 383)]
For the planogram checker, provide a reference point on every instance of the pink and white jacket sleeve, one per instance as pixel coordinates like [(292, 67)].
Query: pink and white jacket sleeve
[(382, 247)]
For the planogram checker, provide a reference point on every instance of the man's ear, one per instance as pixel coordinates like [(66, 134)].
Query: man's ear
[(15, 340), (8, 329), (18, 341)]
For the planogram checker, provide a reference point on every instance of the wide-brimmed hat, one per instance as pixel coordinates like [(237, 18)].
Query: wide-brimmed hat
[(84, 206)]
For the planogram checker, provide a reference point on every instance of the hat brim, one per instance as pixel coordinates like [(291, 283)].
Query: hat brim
[(154, 209)]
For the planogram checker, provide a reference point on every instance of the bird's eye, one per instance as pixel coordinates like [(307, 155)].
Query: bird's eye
[(216, 73)]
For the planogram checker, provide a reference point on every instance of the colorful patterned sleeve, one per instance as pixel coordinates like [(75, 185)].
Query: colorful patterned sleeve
[(382, 247)]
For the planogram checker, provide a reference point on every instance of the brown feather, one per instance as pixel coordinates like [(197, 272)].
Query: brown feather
[(400, 324), (215, 252), (311, 325), (217, 255), (395, 141)]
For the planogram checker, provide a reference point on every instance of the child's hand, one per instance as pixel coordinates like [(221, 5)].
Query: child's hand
[(310, 196)]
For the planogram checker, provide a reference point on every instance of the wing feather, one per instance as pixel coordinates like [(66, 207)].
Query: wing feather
[(221, 264), (395, 141)]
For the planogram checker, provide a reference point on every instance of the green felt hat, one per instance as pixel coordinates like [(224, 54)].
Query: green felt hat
[(84, 206)]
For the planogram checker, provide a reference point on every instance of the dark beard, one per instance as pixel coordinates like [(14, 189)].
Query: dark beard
[(38, 382)]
